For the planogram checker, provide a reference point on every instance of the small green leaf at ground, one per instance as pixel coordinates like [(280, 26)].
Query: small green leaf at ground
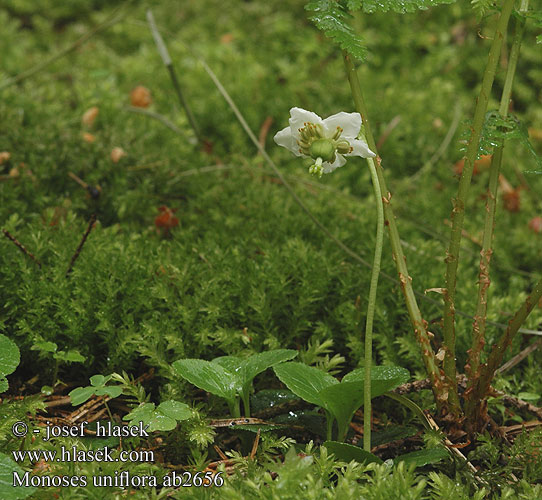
[(9, 355), (44, 346), (383, 378), (97, 387), (99, 380), (70, 356), (166, 416), (80, 395), (257, 363), (305, 381), (347, 453), (113, 392), (210, 377), (423, 457), (175, 409), (7, 490), (342, 400), (148, 414), (529, 396)]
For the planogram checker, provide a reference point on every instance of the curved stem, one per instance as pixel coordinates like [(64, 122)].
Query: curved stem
[(371, 306), (420, 326), (458, 211)]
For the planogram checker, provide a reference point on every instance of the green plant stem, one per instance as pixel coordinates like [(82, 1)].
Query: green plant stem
[(371, 307), (420, 326), (233, 406), (329, 430), (458, 211), (479, 324), (246, 403), (107, 408)]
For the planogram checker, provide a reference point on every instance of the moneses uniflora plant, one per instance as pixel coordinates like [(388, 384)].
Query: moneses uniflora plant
[(328, 141)]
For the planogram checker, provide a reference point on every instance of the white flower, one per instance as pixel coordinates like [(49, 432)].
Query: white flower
[(326, 141)]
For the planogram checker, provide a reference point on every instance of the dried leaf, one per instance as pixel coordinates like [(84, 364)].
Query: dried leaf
[(88, 137), (140, 97), (89, 116), (4, 157), (117, 154), (535, 224)]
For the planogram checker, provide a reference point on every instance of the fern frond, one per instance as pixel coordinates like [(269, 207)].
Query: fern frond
[(330, 17), (400, 6)]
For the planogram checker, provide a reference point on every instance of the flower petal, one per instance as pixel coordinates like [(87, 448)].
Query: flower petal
[(299, 116), (360, 148), (339, 162), (349, 122), (285, 139)]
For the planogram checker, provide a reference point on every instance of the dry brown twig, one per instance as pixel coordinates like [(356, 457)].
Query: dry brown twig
[(20, 246)]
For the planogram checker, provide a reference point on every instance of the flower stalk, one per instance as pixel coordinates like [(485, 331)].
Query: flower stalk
[(440, 390), (327, 142), (458, 211), (375, 271)]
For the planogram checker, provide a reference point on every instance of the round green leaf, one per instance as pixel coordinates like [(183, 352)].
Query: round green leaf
[(81, 394), (175, 409), (9, 355), (7, 490)]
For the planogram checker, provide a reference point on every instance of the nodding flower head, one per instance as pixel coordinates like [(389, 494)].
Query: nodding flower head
[(327, 141)]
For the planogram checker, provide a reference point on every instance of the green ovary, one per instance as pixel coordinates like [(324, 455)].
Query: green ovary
[(323, 148)]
